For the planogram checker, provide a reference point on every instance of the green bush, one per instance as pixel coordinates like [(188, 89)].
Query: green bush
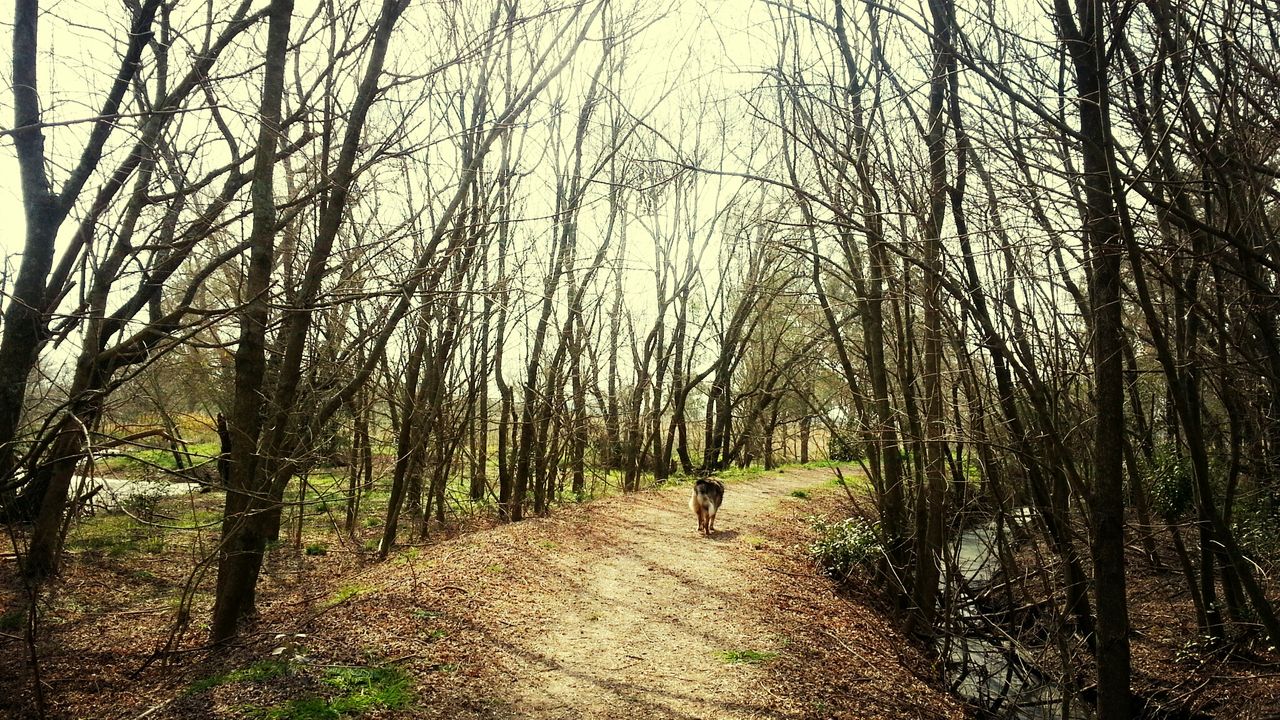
[(844, 446), (1168, 476), (1256, 526), (846, 545), (145, 501)]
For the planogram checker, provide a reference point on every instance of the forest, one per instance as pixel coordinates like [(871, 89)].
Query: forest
[(332, 323)]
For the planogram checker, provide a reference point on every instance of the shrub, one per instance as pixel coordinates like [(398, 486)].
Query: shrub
[(844, 445), (144, 500), (845, 545), (1169, 477), (1256, 526)]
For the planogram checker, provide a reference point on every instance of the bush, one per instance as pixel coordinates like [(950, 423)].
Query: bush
[(846, 545), (1169, 477), (1256, 526), (844, 445), (144, 500)]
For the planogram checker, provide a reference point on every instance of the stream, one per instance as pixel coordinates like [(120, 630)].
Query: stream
[(996, 675), (108, 493)]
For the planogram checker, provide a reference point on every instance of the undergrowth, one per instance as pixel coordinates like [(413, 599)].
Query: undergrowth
[(750, 657), (349, 691), (845, 545)]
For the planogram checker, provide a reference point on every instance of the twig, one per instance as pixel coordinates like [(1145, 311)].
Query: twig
[(846, 646), (154, 708)]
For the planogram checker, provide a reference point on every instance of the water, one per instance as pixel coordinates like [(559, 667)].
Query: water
[(990, 673), (115, 493)]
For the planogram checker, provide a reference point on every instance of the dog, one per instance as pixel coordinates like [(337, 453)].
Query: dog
[(708, 496)]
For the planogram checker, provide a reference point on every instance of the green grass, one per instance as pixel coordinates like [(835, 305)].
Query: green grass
[(737, 473), (157, 457), (854, 481), (116, 535), (316, 549), (406, 557), (261, 671), (355, 691), (754, 543), (346, 592), (821, 464), (751, 657), (199, 520), (802, 494)]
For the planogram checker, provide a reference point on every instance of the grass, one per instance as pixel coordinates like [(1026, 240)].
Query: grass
[(803, 495), (754, 543), (406, 557), (822, 464), (346, 592), (116, 535), (261, 671), (737, 473), (201, 519), (855, 481), (353, 692), (750, 657), (145, 458)]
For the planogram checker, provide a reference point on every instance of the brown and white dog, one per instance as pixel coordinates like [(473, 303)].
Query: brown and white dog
[(708, 495)]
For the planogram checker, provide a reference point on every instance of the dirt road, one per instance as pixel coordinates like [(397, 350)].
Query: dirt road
[(615, 608), (620, 609), (661, 621)]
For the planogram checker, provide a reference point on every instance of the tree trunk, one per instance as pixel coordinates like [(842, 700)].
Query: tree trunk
[(243, 537), (1106, 249)]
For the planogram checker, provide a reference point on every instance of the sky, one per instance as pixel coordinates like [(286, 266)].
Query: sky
[(709, 49)]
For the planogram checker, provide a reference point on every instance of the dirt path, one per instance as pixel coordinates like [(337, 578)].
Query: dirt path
[(654, 610), (616, 608)]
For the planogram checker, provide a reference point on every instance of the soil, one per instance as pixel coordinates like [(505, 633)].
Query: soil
[(611, 609)]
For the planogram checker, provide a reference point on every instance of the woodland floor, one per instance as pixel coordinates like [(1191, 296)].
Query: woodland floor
[(610, 609), (614, 608)]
